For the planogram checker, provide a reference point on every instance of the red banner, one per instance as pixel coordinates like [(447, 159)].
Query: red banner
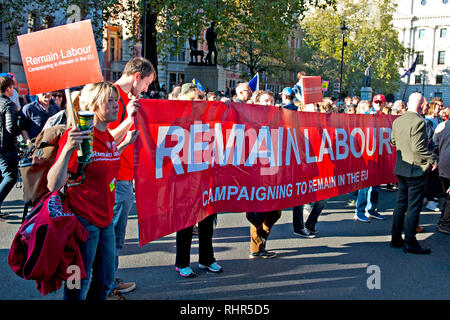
[(196, 158)]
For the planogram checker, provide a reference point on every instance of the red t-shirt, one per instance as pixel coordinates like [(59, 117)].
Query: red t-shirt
[(127, 157), (94, 199)]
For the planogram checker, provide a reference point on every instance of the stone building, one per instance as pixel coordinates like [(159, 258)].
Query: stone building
[(424, 29)]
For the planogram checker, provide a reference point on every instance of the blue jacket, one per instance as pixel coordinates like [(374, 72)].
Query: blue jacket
[(291, 106), (34, 117)]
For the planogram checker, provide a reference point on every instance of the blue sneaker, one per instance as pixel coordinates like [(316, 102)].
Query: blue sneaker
[(361, 217), (376, 215), (185, 272), (213, 267)]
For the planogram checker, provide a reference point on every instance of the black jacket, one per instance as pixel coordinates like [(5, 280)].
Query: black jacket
[(9, 128)]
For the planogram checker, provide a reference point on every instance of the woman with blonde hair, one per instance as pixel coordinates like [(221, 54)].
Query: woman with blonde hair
[(92, 200)]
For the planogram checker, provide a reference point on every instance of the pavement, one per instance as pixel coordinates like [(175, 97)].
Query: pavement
[(349, 260)]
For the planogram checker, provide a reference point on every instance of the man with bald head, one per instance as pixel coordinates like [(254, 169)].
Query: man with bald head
[(410, 138)]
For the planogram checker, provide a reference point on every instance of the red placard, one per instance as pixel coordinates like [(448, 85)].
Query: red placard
[(312, 89), (23, 89), (193, 159), (60, 57)]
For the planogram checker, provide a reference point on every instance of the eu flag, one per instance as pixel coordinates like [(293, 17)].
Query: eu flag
[(198, 84)]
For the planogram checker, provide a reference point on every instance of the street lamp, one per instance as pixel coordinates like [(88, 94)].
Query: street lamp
[(344, 44), (423, 79)]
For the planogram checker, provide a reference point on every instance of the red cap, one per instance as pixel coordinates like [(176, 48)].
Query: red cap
[(379, 97)]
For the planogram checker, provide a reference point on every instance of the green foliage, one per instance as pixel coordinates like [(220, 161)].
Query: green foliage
[(255, 33), (371, 40), (15, 14)]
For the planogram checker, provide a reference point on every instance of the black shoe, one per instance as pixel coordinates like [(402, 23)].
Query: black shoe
[(305, 233), (312, 230), (397, 243), (416, 249)]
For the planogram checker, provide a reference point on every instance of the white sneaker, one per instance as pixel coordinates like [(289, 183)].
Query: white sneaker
[(432, 206), (125, 287)]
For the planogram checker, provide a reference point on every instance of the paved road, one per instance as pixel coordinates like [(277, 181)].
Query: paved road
[(336, 265)]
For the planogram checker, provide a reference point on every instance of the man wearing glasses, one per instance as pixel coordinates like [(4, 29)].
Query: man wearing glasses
[(35, 114), (378, 103), (243, 92)]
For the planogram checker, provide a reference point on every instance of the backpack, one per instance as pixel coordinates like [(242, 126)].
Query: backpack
[(36, 163)]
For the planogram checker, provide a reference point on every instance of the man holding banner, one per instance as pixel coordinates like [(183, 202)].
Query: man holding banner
[(243, 92), (138, 74)]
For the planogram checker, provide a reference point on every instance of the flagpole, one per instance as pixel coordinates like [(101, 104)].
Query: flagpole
[(409, 71), (406, 87), (257, 81)]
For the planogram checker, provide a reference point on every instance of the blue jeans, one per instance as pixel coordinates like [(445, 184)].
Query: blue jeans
[(98, 258), (367, 200), (124, 203), (9, 172), (352, 195)]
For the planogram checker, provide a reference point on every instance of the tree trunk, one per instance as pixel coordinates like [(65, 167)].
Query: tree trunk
[(150, 50)]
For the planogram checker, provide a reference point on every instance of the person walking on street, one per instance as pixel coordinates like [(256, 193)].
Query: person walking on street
[(410, 138), (9, 130)]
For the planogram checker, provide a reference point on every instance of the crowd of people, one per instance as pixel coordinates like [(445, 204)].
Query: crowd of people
[(103, 202)]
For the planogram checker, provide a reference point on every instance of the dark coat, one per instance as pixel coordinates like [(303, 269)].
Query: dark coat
[(409, 136), (9, 128)]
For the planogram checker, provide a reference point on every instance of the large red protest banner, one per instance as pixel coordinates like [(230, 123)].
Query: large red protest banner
[(193, 159)]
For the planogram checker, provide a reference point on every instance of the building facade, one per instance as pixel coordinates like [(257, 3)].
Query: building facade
[(424, 29)]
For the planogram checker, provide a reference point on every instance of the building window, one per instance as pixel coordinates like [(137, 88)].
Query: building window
[(420, 57), (441, 57), (177, 56), (33, 22), (112, 49), (175, 79), (443, 33), (48, 22), (418, 80), (439, 79), (421, 33)]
